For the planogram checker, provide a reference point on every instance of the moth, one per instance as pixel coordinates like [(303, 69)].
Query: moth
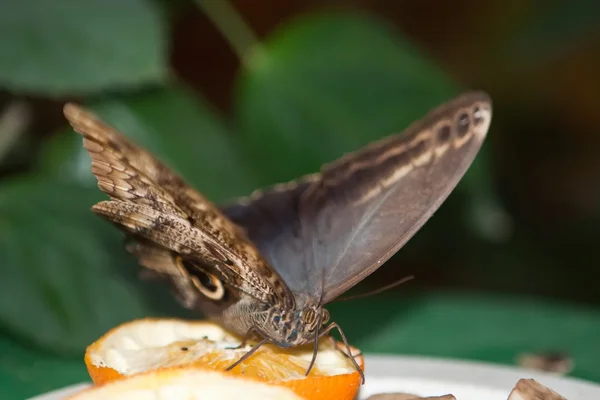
[(264, 266)]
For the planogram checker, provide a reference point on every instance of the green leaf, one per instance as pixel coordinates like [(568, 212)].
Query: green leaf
[(329, 84), (63, 268), (76, 47), (181, 130), (25, 373)]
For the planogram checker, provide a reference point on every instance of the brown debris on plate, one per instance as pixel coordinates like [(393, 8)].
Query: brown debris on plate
[(528, 389), (559, 363), (406, 396)]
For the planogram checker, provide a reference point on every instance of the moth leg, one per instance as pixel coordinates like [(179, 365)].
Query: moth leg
[(338, 348), (332, 326), (248, 354)]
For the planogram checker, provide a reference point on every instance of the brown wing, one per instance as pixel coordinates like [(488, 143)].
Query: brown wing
[(334, 229), (151, 201)]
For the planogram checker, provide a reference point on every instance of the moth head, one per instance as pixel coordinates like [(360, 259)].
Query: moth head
[(208, 284), (293, 327), (312, 317)]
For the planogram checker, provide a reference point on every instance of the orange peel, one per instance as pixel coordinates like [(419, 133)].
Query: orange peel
[(146, 345)]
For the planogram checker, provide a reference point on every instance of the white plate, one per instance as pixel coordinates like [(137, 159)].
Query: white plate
[(466, 380)]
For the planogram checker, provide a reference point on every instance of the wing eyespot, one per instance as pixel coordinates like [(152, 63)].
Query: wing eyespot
[(208, 284), (443, 133), (462, 124), (478, 117)]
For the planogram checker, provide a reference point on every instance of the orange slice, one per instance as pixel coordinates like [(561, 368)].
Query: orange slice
[(185, 383), (157, 344)]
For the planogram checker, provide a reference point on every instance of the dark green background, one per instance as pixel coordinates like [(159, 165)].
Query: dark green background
[(509, 264)]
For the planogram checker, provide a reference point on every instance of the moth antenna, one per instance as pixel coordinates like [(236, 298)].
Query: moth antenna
[(379, 290)]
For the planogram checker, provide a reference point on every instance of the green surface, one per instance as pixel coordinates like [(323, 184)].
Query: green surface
[(487, 328)]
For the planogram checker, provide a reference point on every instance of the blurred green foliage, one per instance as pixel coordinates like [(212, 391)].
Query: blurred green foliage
[(319, 86), (174, 124), (315, 103), (78, 47)]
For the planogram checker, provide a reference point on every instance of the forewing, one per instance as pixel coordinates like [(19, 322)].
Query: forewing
[(151, 201), (328, 232), (368, 204)]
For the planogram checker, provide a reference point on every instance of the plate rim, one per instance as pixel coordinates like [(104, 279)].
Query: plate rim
[(469, 372), (441, 369)]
